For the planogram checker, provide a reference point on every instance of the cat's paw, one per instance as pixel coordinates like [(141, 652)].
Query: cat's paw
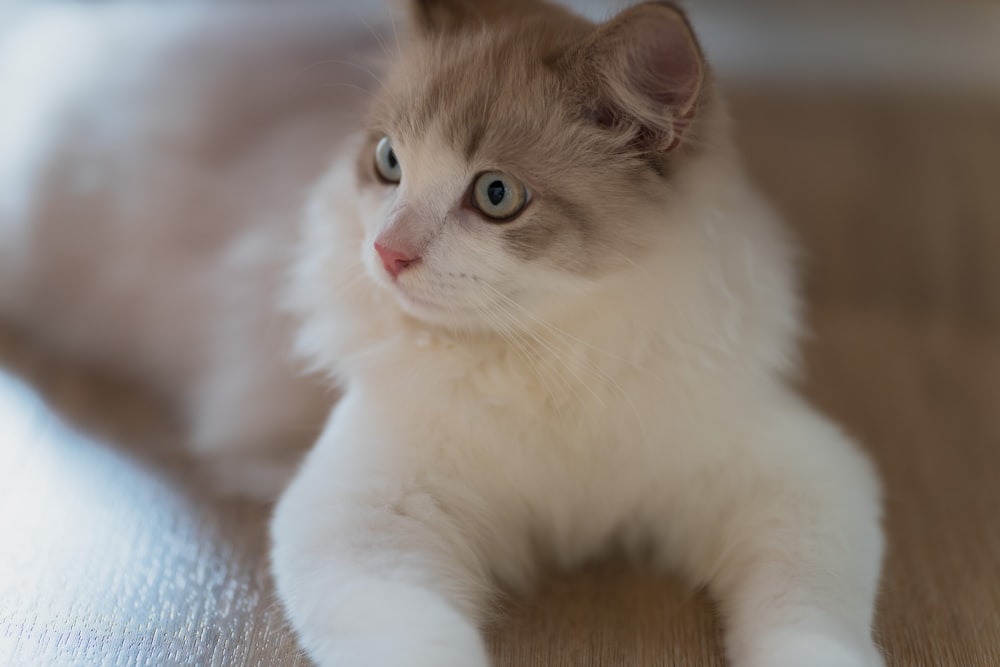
[(809, 650), (385, 625)]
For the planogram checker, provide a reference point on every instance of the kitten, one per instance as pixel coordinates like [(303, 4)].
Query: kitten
[(153, 161), (561, 317)]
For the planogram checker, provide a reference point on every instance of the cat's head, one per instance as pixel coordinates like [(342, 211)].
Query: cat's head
[(516, 152)]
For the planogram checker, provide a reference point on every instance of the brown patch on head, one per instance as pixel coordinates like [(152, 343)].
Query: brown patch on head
[(536, 238), (474, 138), (445, 16), (591, 118)]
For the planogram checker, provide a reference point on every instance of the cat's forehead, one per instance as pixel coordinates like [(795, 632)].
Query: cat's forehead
[(493, 91)]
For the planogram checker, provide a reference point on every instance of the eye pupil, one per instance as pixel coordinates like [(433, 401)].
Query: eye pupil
[(386, 163), (496, 192), (499, 197)]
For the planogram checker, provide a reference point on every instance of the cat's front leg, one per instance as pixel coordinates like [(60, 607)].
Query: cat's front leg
[(790, 542), (369, 564)]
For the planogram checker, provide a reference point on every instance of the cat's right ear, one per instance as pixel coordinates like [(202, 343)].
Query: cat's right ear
[(642, 72)]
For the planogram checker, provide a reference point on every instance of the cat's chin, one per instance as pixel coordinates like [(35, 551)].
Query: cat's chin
[(417, 305), (433, 312)]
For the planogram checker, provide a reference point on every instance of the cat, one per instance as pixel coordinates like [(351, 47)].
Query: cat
[(562, 318), (147, 221), (558, 315)]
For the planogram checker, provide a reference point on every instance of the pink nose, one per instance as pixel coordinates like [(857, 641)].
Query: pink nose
[(394, 260)]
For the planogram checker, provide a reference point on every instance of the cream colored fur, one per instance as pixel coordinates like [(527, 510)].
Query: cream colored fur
[(498, 412)]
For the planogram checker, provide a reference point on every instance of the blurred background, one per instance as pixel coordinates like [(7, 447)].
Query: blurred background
[(874, 127)]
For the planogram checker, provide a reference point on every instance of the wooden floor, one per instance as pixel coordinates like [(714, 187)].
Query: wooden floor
[(111, 554)]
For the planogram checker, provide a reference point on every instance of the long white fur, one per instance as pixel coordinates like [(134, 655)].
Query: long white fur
[(653, 410), (652, 407)]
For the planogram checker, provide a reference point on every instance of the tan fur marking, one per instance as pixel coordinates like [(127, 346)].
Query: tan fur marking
[(518, 97)]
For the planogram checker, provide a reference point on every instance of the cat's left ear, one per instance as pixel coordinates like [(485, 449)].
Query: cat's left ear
[(641, 71)]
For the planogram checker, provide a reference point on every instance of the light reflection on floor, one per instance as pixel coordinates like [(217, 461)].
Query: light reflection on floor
[(106, 560)]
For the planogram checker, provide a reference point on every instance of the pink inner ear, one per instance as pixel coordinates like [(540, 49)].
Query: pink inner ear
[(665, 63)]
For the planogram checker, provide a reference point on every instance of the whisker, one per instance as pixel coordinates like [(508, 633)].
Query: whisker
[(341, 289), (587, 366), (553, 353), (520, 346), (355, 65), (374, 34), (552, 328), (395, 33), (352, 86)]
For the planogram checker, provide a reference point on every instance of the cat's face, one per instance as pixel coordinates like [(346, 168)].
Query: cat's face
[(514, 161)]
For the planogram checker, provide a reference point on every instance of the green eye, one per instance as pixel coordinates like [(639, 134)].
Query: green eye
[(499, 196), (386, 163)]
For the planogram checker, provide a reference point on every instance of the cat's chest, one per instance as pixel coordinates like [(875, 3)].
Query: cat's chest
[(494, 397)]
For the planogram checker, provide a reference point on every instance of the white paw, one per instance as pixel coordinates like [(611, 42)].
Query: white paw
[(387, 625), (810, 650)]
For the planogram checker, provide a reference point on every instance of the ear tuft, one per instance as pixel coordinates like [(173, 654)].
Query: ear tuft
[(643, 68)]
